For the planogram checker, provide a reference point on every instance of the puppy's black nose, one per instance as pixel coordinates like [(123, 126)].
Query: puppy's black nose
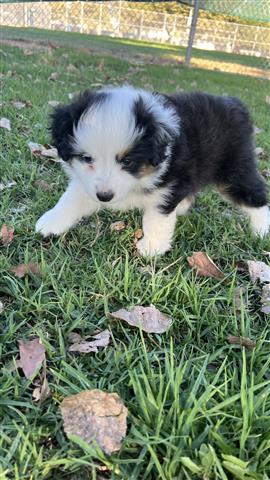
[(105, 196)]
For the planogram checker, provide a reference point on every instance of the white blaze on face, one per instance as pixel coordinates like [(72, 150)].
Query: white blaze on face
[(105, 130)]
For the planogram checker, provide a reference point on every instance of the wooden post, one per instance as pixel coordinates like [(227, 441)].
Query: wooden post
[(192, 31)]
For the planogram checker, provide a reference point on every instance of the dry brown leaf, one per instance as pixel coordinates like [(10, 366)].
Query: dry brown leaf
[(101, 64), (54, 76), (19, 105), (266, 299), (204, 266), (25, 268), (265, 172), (6, 234), (53, 103), (259, 151), (5, 123), (267, 99), (239, 301), (39, 150), (244, 341), (32, 355), (43, 185), (150, 319), (71, 68), (138, 234), (82, 345), (96, 415), (258, 270), (117, 226), (257, 130), (42, 391)]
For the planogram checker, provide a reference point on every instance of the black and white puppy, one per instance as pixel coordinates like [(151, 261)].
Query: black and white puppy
[(125, 148)]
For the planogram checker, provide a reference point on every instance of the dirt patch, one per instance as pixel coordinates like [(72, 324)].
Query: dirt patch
[(28, 47)]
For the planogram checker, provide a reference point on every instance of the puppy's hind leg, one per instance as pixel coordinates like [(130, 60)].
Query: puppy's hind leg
[(183, 207), (249, 193), (69, 210)]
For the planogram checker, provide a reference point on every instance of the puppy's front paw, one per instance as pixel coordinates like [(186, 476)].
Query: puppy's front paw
[(151, 248), (52, 223)]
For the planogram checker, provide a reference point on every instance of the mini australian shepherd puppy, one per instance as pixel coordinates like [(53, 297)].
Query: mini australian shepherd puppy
[(126, 148)]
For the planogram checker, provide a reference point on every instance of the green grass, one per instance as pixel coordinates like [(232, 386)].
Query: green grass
[(199, 408), (128, 46)]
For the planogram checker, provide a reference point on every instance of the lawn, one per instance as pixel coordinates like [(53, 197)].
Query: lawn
[(199, 408)]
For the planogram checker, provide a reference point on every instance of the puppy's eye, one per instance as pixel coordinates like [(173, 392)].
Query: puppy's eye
[(126, 162), (87, 159)]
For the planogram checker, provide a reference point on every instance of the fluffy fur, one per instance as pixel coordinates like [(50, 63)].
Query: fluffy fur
[(125, 148)]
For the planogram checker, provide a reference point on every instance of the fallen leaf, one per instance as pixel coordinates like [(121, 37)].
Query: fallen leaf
[(71, 68), (265, 300), (96, 415), (257, 130), (259, 151), (138, 234), (32, 355), (258, 270), (5, 123), (150, 319), (19, 209), (1, 307), (54, 76), (204, 266), (101, 64), (43, 185), (265, 172), (72, 95), (244, 341), (6, 234), (267, 99), (39, 150), (25, 268), (117, 226), (239, 301), (19, 105), (42, 390), (53, 103), (7, 185), (82, 345)]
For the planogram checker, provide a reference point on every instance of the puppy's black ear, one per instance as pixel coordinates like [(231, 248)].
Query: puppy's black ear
[(149, 119), (66, 117), (62, 121)]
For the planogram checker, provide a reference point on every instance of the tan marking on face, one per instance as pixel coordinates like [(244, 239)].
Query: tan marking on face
[(146, 170), (121, 155)]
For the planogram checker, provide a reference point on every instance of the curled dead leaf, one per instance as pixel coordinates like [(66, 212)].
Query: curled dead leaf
[(1, 307), (150, 319), (6, 235), (257, 130), (71, 68), (258, 270), (3, 186), (32, 355), (81, 344), (25, 268), (117, 226), (53, 103), (39, 150), (265, 300), (19, 105), (5, 123), (96, 415), (54, 76), (259, 151), (138, 234), (204, 266), (42, 391), (244, 341), (43, 185)]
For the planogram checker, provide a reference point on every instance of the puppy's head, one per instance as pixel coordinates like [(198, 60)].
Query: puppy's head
[(115, 140)]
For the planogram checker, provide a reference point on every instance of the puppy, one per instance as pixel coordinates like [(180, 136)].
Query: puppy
[(126, 148)]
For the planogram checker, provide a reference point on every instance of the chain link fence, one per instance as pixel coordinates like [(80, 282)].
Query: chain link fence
[(118, 19)]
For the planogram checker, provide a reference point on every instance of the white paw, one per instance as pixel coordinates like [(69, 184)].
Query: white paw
[(151, 248), (52, 223)]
